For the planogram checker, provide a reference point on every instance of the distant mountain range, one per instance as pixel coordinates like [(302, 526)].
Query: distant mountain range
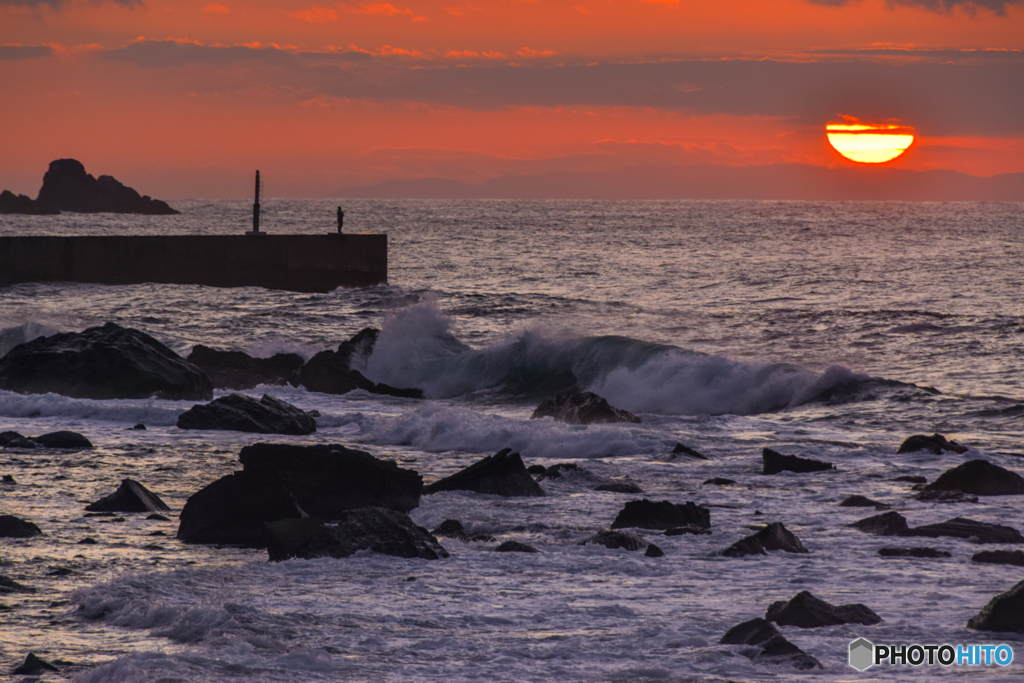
[(777, 181)]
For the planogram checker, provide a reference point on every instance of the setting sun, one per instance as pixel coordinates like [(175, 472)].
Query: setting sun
[(869, 143)]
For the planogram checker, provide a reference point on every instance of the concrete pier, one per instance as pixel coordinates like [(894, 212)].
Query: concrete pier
[(298, 263)]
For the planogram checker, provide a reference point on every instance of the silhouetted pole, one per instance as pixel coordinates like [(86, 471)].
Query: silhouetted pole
[(256, 206)]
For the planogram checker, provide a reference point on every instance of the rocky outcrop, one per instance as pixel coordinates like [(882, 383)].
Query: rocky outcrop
[(20, 203), (1004, 613), (501, 474), (15, 527), (33, 666), (981, 478), (616, 539), (887, 524), (1012, 557), (581, 408), (331, 372), (130, 496), (67, 440), (283, 481), (936, 443), (381, 530), (920, 553), (768, 644), (775, 462), (645, 514), (775, 536), (105, 362), (682, 449), (806, 611), (977, 532), (239, 413), (236, 370)]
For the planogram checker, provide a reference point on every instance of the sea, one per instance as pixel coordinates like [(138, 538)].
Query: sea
[(826, 330)]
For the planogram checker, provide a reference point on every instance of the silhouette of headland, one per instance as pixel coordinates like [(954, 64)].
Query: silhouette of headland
[(67, 187)]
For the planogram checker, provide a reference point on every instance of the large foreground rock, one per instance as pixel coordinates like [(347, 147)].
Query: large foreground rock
[(645, 514), (775, 462), (105, 362), (977, 532), (283, 481), (979, 477), (806, 611), (582, 408), (130, 496), (67, 187), (378, 529), (240, 413), (1004, 613), (501, 474), (936, 443), (236, 370), (768, 644), (775, 536)]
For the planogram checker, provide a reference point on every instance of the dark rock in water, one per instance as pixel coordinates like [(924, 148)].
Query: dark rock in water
[(556, 470), (501, 474), (378, 529), (616, 539), (21, 203), (979, 477), (67, 187), (913, 552), (87, 541), (946, 497), (780, 649), (139, 426), (8, 437), (104, 363), (1014, 557), (862, 502), (936, 443), (516, 547), (9, 585), (63, 440), (719, 481), (9, 479), (775, 462), (887, 524), (237, 370), (61, 571), (681, 449), (806, 611), (131, 496), (912, 479), (33, 666), (654, 551), (644, 514), (239, 413), (452, 528), (751, 632), (158, 517), (533, 470), (619, 487), (581, 408), (13, 527), (331, 372), (24, 444), (759, 632), (1004, 613), (775, 536), (977, 532), (694, 529)]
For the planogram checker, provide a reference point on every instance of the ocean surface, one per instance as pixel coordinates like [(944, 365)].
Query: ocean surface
[(831, 331)]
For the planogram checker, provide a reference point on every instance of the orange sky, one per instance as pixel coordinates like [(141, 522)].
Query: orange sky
[(185, 99)]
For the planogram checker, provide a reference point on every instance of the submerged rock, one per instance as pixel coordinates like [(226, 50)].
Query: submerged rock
[(501, 474), (516, 547), (887, 524), (719, 481), (581, 408), (616, 539), (645, 514), (1012, 557), (130, 496), (452, 528), (618, 487), (775, 462), (107, 362), (14, 527), (1004, 612), (775, 536), (69, 440), (806, 611), (682, 449), (913, 552), (381, 530), (9, 585), (239, 413), (959, 527), (237, 370), (34, 666), (936, 443), (555, 471), (861, 501), (979, 477), (946, 497), (769, 644)]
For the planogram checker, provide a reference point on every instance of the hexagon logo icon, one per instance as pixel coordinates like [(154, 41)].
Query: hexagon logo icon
[(862, 654)]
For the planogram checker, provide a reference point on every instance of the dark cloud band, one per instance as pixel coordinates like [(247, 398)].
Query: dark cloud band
[(942, 6), (15, 52)]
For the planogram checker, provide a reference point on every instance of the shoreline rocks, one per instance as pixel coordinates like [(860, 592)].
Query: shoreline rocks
[(775, 462), (775, 536), (501, 474), (582, 408), (236, 370), (130, 496), (979, 477), (807, 611), (936, 444), (646, 514), (240, 413)]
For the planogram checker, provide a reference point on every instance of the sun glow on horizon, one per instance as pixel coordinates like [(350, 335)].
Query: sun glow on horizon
[(869, 143)]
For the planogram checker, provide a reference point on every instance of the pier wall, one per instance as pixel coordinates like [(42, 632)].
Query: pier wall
[(299, 263)]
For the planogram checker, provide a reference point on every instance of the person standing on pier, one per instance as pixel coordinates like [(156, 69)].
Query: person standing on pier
[(341, 219)]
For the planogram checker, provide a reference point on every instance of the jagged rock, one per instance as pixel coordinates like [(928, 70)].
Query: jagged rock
[(1004, 612), (1014, 557), (775, 462), (331, 372), (501, 474), (67, 187), (977, 532), (131, 496), (452, 528), (616, 539), (516, 547), (239, 413), (63, 440), (936, 443), (9, 585), (806, 611), (861, 501), (887, 524), (682, 449), (770, 643), (13, 527), (775, 536), (946, 497), (581, 408), (979, 477), (33, 666), (913, 552), (719, 481), (20, 203), (237, 370), (378, 529), (104, 363), (619, 487), (645, 514), (653, 551)]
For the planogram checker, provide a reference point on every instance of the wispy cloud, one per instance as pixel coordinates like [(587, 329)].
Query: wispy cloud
[(18, 52), (942, 6)]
